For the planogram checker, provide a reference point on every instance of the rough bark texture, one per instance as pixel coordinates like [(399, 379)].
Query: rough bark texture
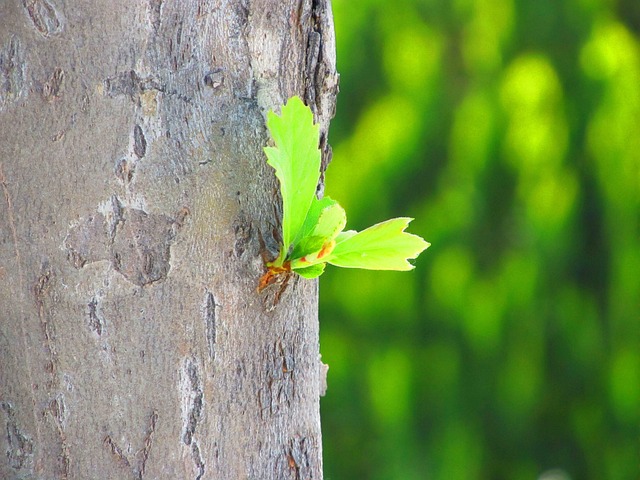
[(134, 199)]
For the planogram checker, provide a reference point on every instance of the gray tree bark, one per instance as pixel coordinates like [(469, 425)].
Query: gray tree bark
[(135, 201)]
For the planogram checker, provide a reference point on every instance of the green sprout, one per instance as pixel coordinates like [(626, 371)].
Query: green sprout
[(312, 229)]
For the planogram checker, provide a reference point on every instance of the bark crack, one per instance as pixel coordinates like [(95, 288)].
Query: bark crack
[(299, 459), (23, 334), (279, 391), (52, 88), (321, 77), (195, 400), (138, 469), (12, 222), (12, 72), (57, 408), (96, 322), (40, 291), (20, 448), (210, 323), (192, 394), (197, 460)]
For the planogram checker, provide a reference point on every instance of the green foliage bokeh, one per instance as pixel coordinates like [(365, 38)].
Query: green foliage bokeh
[(510, 129)]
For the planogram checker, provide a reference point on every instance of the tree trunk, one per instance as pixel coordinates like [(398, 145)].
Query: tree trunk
[(135, 203)]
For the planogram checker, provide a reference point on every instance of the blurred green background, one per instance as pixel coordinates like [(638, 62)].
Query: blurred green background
[(510, 129)]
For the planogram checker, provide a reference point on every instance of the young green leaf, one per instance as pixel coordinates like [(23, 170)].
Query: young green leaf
[(312, 229), (296, 160), (313, 215), (384, 246), (314, 249)]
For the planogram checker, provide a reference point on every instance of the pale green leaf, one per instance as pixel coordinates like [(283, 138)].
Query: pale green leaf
[(384, 246), (345, 235), (312, 271), (331, 222), (296, 160), (313, 215)]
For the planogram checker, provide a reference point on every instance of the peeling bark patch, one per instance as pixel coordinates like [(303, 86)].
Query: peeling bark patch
[(182, 215), (242, 231), (12, 76), (139, 142), (129, 84), (149, 102), (214, 79), (96, 323), (88, 241), (126, 83), (124, 171), (140, 250), (192, 399), (136, 243), (19, 452), (210, 323), (324, 370), (44, 16), (52, 89)]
